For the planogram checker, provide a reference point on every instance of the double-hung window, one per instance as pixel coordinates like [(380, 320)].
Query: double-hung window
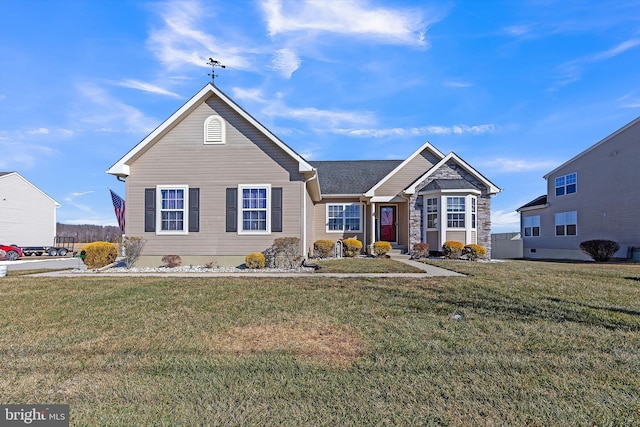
[(566, 184), (254, 209), (531, 226), (172, 218), (455, 212), (567, 223), (344, 217), (473, 212), (432, 212)]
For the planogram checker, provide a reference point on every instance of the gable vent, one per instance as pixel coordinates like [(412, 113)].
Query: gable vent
[(214, 130)]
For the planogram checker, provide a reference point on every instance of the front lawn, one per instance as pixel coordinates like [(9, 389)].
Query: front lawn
[(513, 343)]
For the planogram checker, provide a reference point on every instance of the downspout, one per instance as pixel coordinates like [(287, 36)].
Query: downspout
[(304, 214)]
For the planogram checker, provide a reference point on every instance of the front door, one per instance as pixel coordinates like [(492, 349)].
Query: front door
[(388, 223)]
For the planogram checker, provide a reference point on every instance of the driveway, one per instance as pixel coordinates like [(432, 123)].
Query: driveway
[(44, 263)]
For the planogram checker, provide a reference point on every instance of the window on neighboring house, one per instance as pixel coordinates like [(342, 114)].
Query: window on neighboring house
[(567, 223), (566, 184), (172, 209), (214, 130), (432, 212), (344, 217), (531, 226), (473, 212), (254, 209), (455, 212)]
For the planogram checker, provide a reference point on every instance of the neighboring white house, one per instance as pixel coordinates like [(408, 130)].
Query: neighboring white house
[(27, 214)]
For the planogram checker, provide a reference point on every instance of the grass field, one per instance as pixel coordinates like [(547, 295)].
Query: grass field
[(513, 343)]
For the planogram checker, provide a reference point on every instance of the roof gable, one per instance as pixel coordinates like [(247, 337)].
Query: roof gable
[(121, 167), (6, 175), (491, 187), (425, 146)]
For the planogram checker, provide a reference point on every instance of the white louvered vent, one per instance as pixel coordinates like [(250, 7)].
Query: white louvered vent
[(214, 130)]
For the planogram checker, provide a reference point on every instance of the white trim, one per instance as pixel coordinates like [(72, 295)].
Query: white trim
[(241, 209), (122, 168), (223, 132), (533, 208), (426, 145), (461, 190), (343, 231), (491, 187), (185, 210)]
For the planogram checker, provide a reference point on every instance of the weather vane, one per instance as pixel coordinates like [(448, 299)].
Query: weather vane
[(213, 64)]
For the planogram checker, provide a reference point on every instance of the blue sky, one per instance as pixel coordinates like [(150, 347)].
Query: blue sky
[(515, 88)]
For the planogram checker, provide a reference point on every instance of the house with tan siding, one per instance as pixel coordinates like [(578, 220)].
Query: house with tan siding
[(212, 183), (594, 195)]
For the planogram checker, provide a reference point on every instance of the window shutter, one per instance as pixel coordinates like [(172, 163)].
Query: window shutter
[(194, 209), (276, 209), (149, 209), (232, 209)]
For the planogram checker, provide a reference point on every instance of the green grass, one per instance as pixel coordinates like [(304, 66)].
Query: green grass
[(534, 343), (365, 265)]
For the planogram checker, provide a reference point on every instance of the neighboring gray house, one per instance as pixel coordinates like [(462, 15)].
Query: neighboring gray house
[(212, 183), (27, 214), (595, 195)]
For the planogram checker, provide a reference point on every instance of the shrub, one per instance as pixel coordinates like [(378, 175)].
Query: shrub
[(599, 250), (255, 260), (420, 250), (284, 253), (132, 249), (352, 247), (211, 264), (172, 261), (452, 249), (381, 248), (99, 254), (474, 251), (323, 248)]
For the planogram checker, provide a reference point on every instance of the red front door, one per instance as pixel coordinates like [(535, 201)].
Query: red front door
[(388, 223)]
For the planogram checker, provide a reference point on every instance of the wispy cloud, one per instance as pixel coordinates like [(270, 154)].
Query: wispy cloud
[(107, 114), (21, 155), (417, 131), (253, 94), (146, 87), (355, 18), (285, 62), (183, 38), (571, 71), (505, 218), (517, 165), (457, 84), (629, 101), (517, 30), (81, 193)]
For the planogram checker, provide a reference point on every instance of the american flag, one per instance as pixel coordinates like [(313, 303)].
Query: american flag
[(118, 207)]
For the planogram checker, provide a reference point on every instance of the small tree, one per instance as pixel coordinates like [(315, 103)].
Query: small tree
[(600, 250), (133, 247)]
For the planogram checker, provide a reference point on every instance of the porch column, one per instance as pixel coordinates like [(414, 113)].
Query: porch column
[(372, 225)]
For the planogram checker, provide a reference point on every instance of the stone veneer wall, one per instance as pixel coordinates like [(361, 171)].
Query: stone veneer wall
[(451, 170)]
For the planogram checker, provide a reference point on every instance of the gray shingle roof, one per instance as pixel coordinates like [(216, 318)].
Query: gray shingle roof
[(449, 184), (352, 176), (5, 173), (538, 201)]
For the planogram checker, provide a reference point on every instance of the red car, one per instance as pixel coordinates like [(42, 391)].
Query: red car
[(10, 252)]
